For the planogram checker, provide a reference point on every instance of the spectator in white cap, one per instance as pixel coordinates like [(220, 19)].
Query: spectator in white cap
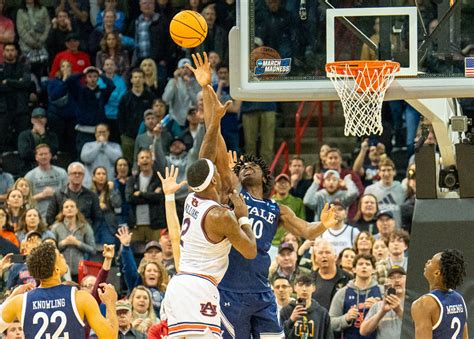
[(334, 188), (180, 94)]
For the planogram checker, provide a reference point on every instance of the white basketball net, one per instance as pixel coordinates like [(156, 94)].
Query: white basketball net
[(362, 92)]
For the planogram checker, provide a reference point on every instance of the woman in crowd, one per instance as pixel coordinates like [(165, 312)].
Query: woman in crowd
[(6, 229), (150, 273), (363, 243), (143, 314), (32, 221), (366, 216), (33, 24), (98, 40), (109, 200), (23, 185), (323, 152), (155, 277), (380, 250), (346, 259), (16, 207), (62, 109), (148, 66), (123, 170), (74, 236), (111, 5), (111, 48)]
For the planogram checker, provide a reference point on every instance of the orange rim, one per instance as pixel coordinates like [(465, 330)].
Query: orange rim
[(359, 65), (368, 74)]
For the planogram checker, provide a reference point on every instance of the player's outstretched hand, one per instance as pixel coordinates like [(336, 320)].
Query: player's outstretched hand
[(107, 294), (168, 183), (240, 207), (109, 251), (202, 72), (328, 216), (124, 236), (218, 109), (232, 157)]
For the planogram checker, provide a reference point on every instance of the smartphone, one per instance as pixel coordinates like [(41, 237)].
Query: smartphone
[(391, 291), (301, 301), (18, 258)]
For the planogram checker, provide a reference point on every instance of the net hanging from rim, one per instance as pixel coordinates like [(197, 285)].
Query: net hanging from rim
[(361, 86)]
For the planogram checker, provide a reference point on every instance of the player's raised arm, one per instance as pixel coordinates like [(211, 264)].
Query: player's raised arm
[(300, 227), (105, 328), (422, 311), (170, 186), (235, 226), (213, 146)]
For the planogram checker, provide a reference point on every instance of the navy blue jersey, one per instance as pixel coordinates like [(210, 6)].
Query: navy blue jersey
[(52, 313), (453, 314), (251, 276), (354, 297)]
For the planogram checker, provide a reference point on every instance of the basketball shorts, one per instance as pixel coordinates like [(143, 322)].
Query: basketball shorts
[(191, 306), (250, 315)]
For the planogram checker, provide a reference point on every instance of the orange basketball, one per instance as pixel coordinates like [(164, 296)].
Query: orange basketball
[(188, 29)]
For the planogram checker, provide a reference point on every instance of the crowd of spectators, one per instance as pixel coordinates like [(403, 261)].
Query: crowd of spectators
[(96, 100)]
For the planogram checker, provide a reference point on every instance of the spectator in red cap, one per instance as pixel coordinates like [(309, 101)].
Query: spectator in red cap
[(167, 252)]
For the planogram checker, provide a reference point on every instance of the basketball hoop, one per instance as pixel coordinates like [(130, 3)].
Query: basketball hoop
[(361, 85)]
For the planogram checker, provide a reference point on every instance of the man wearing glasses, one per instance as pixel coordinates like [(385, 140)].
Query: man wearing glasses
[(282, 289), (86, 200)]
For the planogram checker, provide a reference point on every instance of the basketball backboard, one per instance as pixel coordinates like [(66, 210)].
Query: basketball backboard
[(429, 38)]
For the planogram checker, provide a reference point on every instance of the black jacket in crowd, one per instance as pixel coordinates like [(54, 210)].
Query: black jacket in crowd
[(341, 280), (130, 112), (14, 94), (317, 323), (87, 202), (156, 201)]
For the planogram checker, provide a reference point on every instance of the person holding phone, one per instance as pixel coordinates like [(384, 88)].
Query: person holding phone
[(385, 316), (305, 317)]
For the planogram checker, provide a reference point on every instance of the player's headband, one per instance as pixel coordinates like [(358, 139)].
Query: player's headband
[(206, 182)]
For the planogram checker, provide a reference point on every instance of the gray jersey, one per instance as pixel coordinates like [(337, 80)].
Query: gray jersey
[(389, 198), (55, 177)]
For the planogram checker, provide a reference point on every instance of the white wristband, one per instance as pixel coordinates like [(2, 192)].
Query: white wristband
[(244, 221), (169, 197)]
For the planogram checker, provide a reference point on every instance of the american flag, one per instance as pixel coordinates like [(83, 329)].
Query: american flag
[(469, 67)]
